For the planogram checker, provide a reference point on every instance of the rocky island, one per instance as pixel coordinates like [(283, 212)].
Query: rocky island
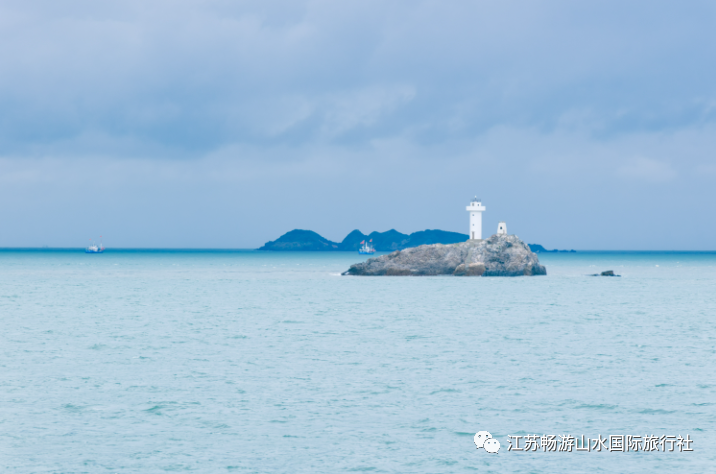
[(500, 255), (606, 273)]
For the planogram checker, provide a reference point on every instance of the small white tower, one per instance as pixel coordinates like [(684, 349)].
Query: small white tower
[(501, 228), (476, 209)]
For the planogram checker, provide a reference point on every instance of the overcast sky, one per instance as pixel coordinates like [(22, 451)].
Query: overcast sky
[(586, 125)]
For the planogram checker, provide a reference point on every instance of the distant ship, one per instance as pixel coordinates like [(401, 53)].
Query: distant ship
[(366, 249), (95, 248)]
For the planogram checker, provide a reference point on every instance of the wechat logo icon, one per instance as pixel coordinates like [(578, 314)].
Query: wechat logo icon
[(483, 439)]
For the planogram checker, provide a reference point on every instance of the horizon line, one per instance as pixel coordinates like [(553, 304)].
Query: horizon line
[(230, 249)]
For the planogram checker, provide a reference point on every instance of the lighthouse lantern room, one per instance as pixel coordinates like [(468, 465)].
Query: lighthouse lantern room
[(476, 209)]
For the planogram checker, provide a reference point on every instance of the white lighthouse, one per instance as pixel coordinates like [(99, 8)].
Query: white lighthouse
[(476, 209)]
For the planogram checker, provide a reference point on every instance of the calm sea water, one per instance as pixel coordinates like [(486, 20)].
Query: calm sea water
[(268, 362)]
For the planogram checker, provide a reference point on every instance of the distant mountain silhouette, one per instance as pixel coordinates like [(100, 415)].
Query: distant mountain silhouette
[(352, 241), (537, 248), (426, 237), (298, 240), (388, 241)]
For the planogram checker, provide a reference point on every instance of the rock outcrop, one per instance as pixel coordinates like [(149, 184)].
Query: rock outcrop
[(500, 255), (606, 273), (470, 269)]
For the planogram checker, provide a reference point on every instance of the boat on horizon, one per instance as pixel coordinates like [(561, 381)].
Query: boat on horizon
[(94, 248), (366, 248)]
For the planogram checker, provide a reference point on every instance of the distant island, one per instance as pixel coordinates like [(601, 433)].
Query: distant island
[(389, 241), (382, 241), (537, 248)]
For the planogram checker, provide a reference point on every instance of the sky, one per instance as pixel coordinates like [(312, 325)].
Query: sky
[(224, 124)]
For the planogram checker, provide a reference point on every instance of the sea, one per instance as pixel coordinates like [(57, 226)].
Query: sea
[(153, 361)]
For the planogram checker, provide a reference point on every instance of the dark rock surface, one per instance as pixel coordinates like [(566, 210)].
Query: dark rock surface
[(470, 269), (607, 273), (500, 255)]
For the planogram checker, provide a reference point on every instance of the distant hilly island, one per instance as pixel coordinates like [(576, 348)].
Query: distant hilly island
[(307, 240)]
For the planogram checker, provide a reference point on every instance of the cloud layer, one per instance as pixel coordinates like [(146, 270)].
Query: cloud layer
[(360, 114)]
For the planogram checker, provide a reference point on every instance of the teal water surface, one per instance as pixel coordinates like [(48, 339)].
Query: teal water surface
[(243, 361)]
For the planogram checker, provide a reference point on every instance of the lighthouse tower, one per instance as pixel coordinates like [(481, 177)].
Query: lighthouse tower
[(476, 209)]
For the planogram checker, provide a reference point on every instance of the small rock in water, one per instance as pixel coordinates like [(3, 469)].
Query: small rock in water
[(607, 273)]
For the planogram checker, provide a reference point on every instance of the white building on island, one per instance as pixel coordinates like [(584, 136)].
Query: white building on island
[(476, 209), (501, 228)]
